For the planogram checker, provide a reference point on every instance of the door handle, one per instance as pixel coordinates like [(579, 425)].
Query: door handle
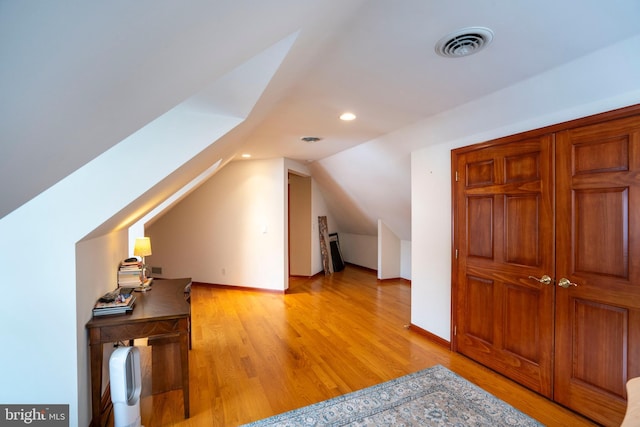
[(545, 280), (565, 283)]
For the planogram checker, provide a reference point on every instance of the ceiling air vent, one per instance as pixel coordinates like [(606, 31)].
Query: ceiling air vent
[(464, 42), (310, 139)]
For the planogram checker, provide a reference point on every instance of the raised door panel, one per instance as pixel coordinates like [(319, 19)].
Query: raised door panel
[(504, 212), (598, 252), (522, 229)]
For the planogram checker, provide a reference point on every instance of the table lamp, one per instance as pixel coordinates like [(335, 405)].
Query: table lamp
[(142, 248)]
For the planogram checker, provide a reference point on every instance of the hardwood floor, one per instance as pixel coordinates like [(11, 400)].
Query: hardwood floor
[(257, 354)]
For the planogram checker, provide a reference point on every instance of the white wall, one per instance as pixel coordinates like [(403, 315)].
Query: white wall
[(599, 82), (97, 262), (228, 231), (232, 229), (39, 314), (405, 259), (431, 240), (360, 249), (389, 253), (355, 178)]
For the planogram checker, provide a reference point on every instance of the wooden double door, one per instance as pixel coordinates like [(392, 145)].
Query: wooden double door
[(546, 271)]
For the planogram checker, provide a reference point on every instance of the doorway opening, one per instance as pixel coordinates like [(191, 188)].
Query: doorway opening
[(299, 225)]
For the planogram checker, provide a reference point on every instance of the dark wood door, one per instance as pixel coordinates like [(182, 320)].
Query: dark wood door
[(598, 251), (504, 317)]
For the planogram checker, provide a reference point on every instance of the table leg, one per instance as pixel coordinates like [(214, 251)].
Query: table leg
[(184, 356), (96, 383)]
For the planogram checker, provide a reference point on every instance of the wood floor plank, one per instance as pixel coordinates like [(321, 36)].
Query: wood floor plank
[(257, 354)]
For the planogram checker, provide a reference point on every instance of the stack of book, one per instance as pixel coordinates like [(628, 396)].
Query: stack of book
[(114, 303), (130, 274)]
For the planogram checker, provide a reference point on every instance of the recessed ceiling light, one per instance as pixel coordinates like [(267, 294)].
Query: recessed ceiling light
[(347, 117), (246, 156), (310, 139)]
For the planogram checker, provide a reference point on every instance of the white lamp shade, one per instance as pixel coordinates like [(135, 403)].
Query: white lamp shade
[(142, 247)]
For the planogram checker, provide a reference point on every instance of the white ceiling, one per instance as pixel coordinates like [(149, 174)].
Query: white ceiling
[(78, 77), (381, 64)]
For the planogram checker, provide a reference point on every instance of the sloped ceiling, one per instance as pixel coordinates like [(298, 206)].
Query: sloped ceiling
[(79, 77)]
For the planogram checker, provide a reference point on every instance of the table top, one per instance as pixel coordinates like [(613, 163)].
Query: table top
[(165, 300)]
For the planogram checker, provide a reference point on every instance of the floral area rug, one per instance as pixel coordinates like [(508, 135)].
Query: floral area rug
[(431, 397)]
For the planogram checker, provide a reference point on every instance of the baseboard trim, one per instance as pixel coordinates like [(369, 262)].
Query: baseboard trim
[(430, 336), (396, 279), (244, 288), (301, 276), (277, 291), (374, 271), (362, 267)]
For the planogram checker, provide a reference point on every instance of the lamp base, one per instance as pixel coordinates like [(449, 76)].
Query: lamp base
[(145, 286)]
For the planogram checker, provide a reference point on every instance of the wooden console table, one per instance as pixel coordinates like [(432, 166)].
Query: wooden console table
[(162, 310)]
